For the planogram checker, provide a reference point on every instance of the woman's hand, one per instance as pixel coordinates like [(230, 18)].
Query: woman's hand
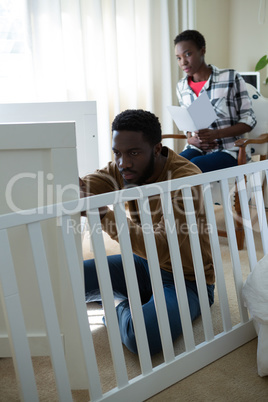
[(194, 140), (207, 138)]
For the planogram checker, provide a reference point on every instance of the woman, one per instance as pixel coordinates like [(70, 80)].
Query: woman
[(212, 148)]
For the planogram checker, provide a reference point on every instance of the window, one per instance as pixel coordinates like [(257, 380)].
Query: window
[(16, 75)]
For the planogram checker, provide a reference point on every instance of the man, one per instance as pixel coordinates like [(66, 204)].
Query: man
[(212, 148), (140, 159)]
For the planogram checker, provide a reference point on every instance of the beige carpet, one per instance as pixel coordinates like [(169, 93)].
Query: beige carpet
[(232, 378)]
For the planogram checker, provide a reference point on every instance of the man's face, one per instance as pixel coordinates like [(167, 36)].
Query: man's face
[(134, 157), (189, 57)]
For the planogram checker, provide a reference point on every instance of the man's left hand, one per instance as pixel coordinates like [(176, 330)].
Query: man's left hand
[(83, 193)]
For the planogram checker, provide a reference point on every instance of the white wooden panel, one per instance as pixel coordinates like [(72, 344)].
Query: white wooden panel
[(156, 280), (133, 289), (217, 260), (177, 269), (261, 211), (198, 263), (174, 368), (83, 113), (37, 136), (228, 214), (77, 284), (250, 242), (38, 165), (107, 298), (49, 309), (15, 323)]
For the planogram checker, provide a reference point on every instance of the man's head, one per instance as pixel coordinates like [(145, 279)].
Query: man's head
[(139, 120), (137, 145), (190, 49)]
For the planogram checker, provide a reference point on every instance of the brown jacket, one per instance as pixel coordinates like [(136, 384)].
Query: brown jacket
[(109, 179)]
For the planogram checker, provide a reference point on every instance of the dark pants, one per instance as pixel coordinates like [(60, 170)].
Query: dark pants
[(211, 161), (92, 293)]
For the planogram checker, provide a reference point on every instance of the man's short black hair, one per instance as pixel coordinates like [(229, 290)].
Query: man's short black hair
[(141, 121), (194, 36)]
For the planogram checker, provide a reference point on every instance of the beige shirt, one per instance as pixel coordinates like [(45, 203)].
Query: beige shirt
[(109, 179)]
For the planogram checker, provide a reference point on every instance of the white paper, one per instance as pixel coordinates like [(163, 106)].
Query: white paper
[(200, 114)]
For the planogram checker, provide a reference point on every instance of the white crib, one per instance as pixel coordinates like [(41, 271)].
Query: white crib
[(174, 367)]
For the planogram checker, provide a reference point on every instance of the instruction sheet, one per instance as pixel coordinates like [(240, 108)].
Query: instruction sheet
[(200, 114)]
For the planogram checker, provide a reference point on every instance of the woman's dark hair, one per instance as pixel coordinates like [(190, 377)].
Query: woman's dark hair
[(194, 36), (141, 121)]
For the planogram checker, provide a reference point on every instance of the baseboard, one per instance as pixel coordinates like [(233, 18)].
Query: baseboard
[(38, 344)]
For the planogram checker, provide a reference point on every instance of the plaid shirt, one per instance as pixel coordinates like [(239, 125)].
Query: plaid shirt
[(228, 95)]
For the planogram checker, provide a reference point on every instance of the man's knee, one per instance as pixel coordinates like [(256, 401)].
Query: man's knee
[(127, 330)]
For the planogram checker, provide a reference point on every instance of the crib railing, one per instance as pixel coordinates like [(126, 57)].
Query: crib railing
[(175, 367)]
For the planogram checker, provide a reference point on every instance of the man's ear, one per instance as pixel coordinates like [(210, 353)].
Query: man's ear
[(157, 149)]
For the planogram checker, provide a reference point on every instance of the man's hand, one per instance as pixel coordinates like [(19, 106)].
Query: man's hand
[(82, 188), (83, 193)]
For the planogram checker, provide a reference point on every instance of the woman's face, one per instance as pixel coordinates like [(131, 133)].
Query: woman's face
[(189, 57)]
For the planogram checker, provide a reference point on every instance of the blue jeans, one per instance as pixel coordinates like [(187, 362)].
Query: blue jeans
[(211, 161), (92, 293)]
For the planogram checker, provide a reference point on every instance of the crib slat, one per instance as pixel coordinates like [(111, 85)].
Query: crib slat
[(198, 263), (79, 302), (133, 289), (243, 199), (107, 297), (50, 314), (266, 177), (177, 270), (230, 228), (15, 323), (261, 211), (156, 280), (217, 260)]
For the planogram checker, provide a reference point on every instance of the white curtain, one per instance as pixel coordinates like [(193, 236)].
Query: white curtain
[(117, 52)]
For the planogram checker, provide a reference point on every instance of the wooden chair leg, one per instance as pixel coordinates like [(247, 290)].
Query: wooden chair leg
[(239, 230), (240, 237)]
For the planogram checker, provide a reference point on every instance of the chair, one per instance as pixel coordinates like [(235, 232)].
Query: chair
[(257, 140)]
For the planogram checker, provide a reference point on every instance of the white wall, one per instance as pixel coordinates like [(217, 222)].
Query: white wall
[(212, 20), (234, 36), (250, 38)]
